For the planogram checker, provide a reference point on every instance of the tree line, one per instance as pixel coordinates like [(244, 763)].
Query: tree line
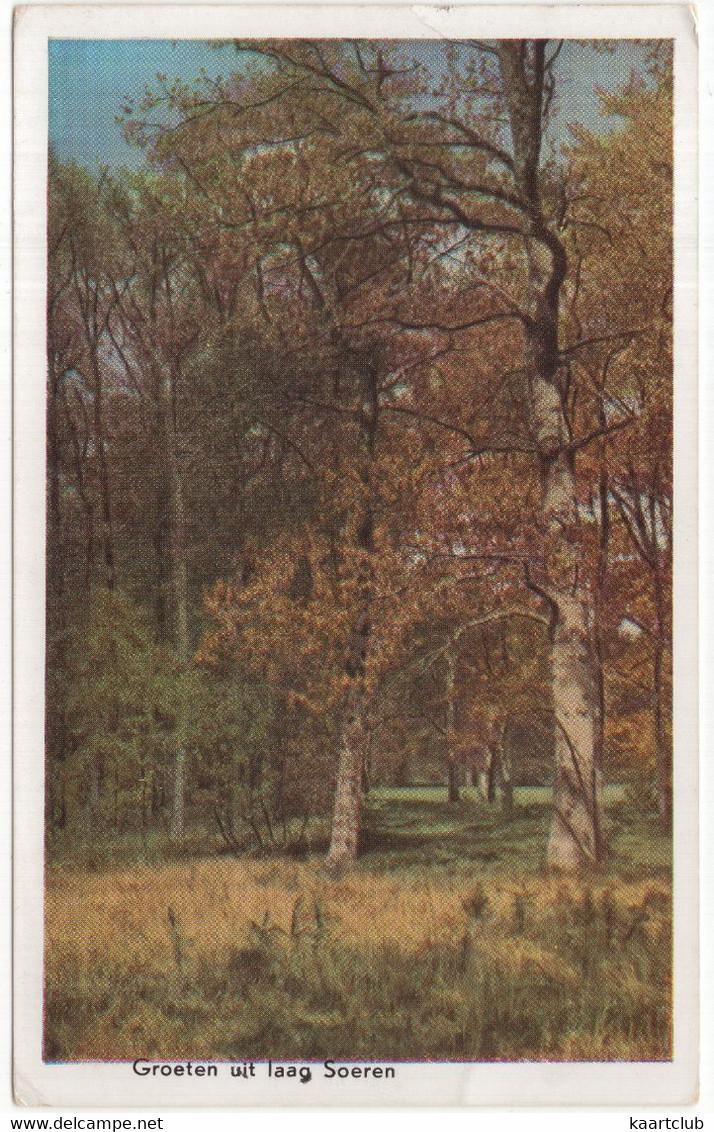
[(359, 429)]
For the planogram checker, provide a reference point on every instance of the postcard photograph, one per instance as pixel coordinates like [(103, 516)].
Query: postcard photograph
[(358, 360)]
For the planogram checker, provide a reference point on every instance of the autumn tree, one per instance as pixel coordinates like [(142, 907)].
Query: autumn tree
[(619, 233), (81, 536), (92, 252), (463, 153), (337, 248), (155, 326), (460, 168)]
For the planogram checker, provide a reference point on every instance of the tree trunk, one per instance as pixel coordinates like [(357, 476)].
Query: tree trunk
[(90, 299), (107, 535), (78, 454), (55, 649), (55, 547), (346, 821), (94, 799), (347, 813), (598, 636), (453, 781), (491, 772), (663, 747), (576, 832), (160, 538), (453, 777), (174, 570), (366, 775), (506, 775), (176, 533), (177, 828)]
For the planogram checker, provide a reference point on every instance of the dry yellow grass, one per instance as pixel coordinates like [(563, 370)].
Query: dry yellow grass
[(120, 914), (123, 981)]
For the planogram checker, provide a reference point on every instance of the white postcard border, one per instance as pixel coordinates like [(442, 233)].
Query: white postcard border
[(529, 1084)]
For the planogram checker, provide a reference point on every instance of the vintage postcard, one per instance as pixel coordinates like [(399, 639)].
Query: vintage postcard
[(355, 574)]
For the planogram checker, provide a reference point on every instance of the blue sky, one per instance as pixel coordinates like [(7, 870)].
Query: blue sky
[(88, 80)]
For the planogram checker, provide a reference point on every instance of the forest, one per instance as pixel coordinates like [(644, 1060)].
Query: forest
[(359, 562)]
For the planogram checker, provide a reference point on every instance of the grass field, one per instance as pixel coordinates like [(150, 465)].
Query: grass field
[(448, 941)]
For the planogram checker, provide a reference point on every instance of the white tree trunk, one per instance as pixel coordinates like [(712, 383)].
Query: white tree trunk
[(576, 833), (576, 836), (347, 813)]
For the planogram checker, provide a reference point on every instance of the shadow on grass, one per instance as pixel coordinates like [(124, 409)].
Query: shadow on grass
[(405, 830), (419, 829), (423, 830)]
